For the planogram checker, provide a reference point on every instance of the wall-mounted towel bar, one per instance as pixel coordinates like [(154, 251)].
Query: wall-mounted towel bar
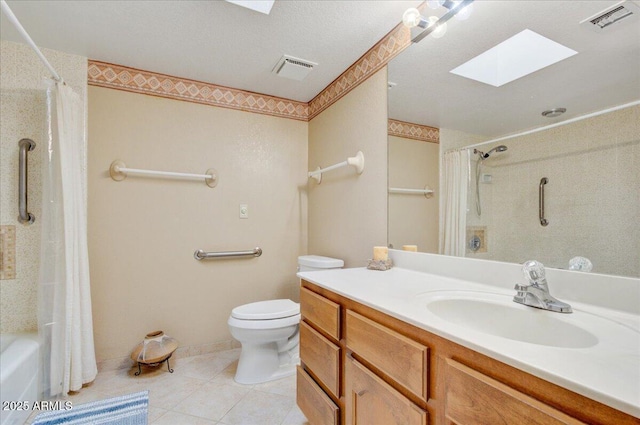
[(119, 171), (24, 216), (356, 161), (427, 191), (201, 255)]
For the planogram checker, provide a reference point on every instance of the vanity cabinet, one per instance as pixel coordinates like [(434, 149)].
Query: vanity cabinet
[(360, 366), (318, 378)]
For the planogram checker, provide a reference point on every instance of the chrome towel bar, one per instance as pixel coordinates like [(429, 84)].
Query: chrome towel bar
[(24, 216), (201, 255)]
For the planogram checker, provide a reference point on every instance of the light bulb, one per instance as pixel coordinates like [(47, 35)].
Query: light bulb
[(411, 17), (434, 4), (464, 13), (440, 29)]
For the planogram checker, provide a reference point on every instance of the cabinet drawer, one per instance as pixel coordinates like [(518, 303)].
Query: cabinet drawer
[(371, 401), (403, 359), (322, 313), (474, 398), (321, 356), (314, 403)]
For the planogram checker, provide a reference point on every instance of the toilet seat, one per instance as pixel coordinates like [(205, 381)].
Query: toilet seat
[(264, 324), (266, 310)]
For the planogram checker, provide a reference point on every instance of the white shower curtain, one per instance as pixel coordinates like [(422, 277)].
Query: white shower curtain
[(453, 202), (65, 319)]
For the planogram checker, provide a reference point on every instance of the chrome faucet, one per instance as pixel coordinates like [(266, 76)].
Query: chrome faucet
[(536, 294)]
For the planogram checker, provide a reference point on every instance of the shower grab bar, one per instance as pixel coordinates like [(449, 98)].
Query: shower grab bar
[(119, 171), (427, 191), (24, 216), (357, 161), (543, 182), (201, 255)]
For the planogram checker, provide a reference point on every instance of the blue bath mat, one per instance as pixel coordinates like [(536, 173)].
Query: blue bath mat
[(128, 409)]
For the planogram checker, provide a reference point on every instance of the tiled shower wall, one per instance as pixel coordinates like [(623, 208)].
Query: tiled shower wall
[(23, 115), (592, 198)]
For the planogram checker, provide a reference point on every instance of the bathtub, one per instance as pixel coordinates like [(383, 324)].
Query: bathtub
[(19, 360)]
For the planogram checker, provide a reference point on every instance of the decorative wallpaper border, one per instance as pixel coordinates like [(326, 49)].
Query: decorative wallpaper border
[(134, 80), (413, 131), (372, 61), (120, 77)]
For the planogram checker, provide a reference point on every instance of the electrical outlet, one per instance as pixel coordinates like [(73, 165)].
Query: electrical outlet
[(244, 211)]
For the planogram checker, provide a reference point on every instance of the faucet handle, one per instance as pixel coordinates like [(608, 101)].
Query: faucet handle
[(580, 264), (533, 271)]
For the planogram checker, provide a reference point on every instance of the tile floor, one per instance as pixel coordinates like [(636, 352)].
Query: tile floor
[(201, 391)]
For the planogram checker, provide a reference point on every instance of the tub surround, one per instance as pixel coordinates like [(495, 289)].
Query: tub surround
[(23, 115), (615, 357)]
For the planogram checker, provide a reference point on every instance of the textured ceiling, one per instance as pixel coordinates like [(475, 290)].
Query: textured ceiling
[(214, 41), (604, 73)]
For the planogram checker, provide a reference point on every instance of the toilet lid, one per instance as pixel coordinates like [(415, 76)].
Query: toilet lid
[(264, 310)]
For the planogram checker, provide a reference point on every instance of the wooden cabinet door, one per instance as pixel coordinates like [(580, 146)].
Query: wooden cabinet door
[(320, 312), (321, 357), (371, 401), (472, 398), (314, 403), (402, 359)]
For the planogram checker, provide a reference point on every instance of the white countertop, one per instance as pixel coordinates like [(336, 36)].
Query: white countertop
[(608, 371)]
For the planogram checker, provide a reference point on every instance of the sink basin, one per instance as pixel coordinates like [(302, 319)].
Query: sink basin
[(498, 315)]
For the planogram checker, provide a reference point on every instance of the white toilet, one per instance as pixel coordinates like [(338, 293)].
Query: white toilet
[(269, 331)]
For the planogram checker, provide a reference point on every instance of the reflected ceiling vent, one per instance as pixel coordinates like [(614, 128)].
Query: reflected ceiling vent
[(623, 12), (294, 68)]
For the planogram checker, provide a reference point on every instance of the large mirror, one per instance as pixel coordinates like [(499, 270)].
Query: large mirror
[(585, 171)]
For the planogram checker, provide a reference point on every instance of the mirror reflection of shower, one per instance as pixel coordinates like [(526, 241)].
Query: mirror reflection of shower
[(481, 158)]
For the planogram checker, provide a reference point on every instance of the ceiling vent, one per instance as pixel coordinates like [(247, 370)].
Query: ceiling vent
[(294, 68), (623, 12)]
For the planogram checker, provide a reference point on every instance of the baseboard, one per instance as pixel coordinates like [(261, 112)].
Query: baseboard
[(181, 352)]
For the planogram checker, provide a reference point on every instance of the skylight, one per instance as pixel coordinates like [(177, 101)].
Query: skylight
[(520, 55), (262, 6)]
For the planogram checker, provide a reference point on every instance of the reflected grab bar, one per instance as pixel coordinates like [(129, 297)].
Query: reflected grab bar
[(201, 255), (543, 182), (24, 216)]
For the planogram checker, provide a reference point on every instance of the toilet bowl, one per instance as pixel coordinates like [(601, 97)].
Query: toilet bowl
[(269, 332)]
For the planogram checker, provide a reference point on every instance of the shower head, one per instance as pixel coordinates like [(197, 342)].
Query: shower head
[(483, 155)]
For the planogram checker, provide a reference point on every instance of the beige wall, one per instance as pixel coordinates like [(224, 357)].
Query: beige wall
[(413, 219), (23, 115), (348, 212), (143, 231)]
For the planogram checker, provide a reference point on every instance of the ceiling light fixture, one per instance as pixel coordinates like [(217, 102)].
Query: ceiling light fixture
[(412, 18), (555, 112)]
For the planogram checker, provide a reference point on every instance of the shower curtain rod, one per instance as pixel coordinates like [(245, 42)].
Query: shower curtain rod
[(548, 127), (12, 18)]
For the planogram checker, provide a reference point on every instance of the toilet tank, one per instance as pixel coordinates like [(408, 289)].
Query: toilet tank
[(308, 263)]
